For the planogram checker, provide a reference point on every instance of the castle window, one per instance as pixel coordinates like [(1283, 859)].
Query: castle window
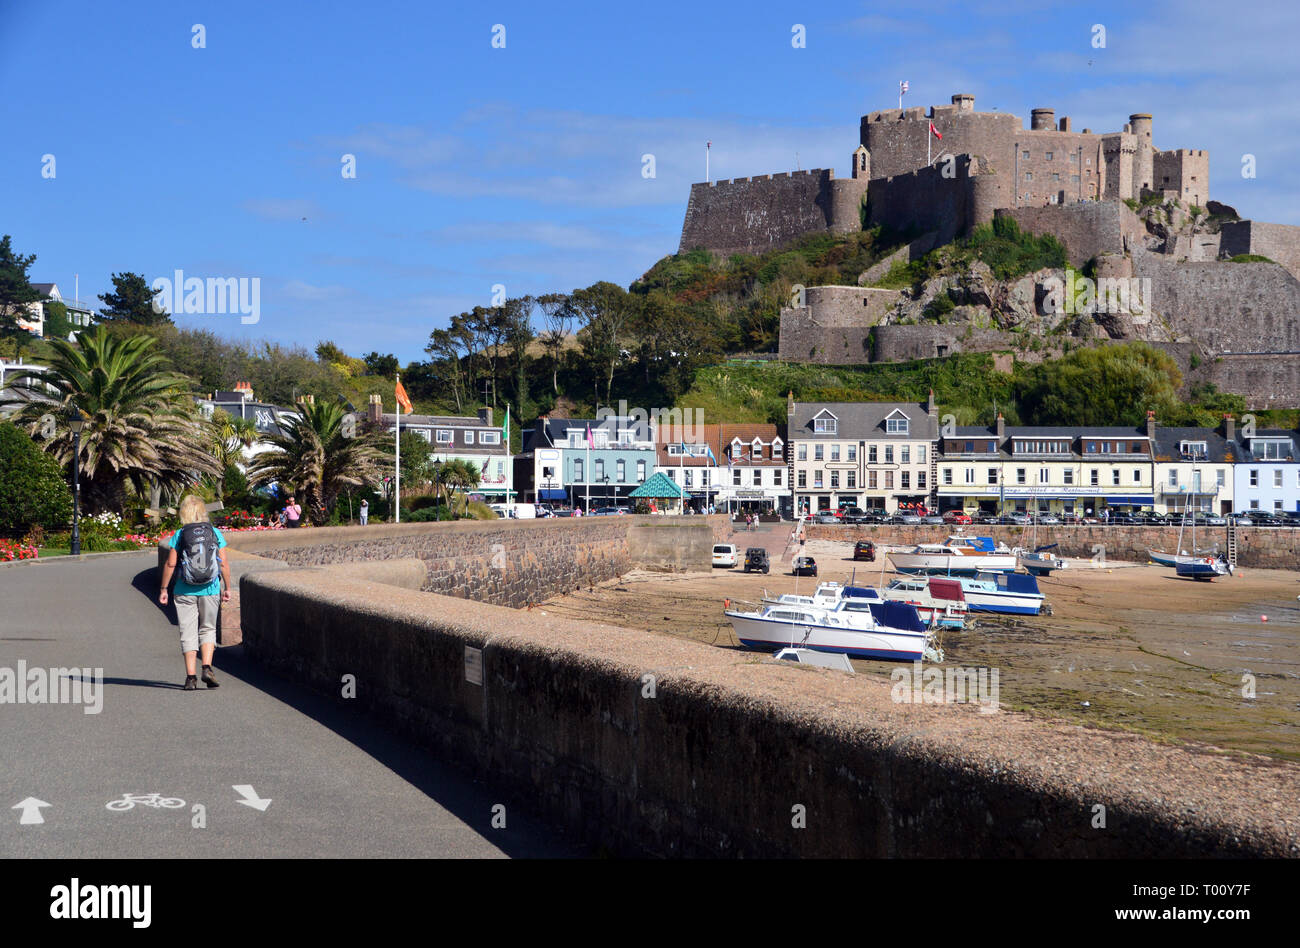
[(1074, 179), (1029, 176), (1074, 159), (1056, 177), (1049, 156), (1025, 155)]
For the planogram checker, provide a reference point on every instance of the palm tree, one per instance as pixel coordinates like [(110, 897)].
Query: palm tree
[(459, 474), (141, 427), (315, 460), (227, 438)]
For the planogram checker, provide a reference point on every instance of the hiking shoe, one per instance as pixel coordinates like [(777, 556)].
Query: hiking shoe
[(191, 683), (209, 679)]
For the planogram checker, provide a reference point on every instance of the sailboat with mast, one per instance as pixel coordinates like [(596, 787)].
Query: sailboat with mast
[(1199, 564)]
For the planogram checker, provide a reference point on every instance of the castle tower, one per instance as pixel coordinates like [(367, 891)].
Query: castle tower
[(861, 163), (1043, 120), (964, 102), (1144, 153)]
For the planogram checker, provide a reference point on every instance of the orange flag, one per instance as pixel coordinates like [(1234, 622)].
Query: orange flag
[(403, 399)]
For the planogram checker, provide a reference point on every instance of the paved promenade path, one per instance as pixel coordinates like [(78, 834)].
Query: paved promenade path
[(339, 785)]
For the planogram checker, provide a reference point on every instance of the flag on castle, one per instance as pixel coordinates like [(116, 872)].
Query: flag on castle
[(935, 132)]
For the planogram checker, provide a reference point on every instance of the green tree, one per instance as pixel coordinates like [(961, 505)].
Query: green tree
[(32, 490), (459, 475), (316, 459), (417, 464), (384, 365), (15, 290), (1107, 385), (132, 301), (227, 437), (57, 324), (141, 426), (604, 310)]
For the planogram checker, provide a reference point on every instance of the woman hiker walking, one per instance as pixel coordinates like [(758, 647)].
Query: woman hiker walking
[(199, 586)]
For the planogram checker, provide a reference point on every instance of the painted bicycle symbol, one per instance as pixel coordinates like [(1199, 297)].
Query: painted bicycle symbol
[(155, 800)]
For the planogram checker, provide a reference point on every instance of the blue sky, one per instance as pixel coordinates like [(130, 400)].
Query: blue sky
[(522, 166)]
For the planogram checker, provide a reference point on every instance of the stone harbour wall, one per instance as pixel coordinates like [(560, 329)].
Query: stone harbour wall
[(1257, 547), (504, 562)]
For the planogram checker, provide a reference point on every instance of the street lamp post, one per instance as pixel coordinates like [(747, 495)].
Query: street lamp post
[(76, 421)]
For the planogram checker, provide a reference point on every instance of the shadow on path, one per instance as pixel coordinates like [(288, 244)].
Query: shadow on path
[(449, 783), (146, 582)]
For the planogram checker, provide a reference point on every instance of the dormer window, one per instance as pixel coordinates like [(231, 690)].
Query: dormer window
[(1270, 450), (778, 449), (757, 448), (897, 423), (827, 425), (1192, 449)]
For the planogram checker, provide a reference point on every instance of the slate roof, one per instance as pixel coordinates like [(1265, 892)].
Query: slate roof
[(863, 420)]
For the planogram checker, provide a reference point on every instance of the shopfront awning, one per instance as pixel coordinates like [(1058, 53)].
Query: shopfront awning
[(552, 493), (1134, 501)]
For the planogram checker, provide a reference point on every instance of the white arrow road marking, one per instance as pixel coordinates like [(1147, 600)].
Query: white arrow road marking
[(250, 797), (31, 808)]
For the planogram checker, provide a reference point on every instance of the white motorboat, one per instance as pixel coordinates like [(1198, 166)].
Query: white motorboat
[(848, 619), (959, 555)]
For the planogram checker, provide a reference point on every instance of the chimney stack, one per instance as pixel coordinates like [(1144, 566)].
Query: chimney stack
[(1230, 429), (1002, 429), (789, 404), (930, 409), (1151, 427), (375, 410), (485, 416)]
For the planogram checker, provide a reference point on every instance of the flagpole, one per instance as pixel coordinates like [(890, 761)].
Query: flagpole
[(397, 445)]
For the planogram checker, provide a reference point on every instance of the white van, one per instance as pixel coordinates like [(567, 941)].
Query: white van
[(514, 511)]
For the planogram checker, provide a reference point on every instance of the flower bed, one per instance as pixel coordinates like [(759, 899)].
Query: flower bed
[(11, 550)]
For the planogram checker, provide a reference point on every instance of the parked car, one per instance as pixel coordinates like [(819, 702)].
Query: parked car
[(1216, 520), (907, 518), (804, 566), (1019, 519), (956, 516), (1049, 519), (756, 560), (852, 515), (607, 511), (864, 550), (724, 554), (826, 516), (933, 519)]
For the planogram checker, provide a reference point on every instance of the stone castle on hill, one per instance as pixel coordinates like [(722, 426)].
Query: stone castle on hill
[(1238, 322)]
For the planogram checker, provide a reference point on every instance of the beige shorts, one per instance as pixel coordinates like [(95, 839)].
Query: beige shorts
[(197, 618)]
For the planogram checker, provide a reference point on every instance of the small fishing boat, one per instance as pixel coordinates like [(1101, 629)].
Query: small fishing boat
[(1014, 593), (848, 619), (1040, 562), (959, 555)]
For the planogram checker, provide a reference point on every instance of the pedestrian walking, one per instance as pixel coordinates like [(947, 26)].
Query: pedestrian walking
[(365, 511), (292, 513), (202, 584)]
